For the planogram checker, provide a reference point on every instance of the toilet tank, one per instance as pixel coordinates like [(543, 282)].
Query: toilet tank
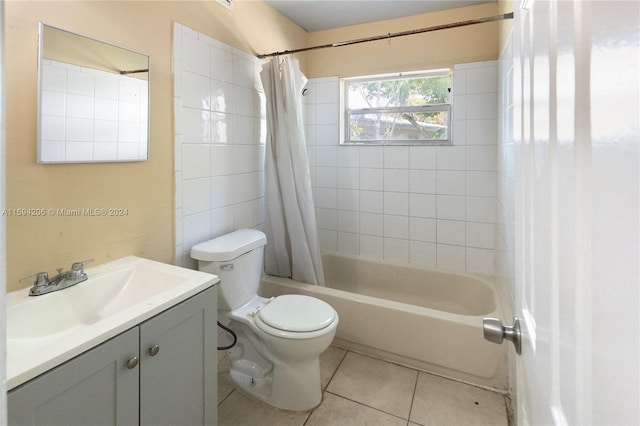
[(236, 258)]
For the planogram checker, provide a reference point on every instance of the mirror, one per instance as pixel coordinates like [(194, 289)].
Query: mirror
[(93, 100)]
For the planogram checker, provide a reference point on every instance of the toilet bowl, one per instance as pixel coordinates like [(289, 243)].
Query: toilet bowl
[(279, 340)]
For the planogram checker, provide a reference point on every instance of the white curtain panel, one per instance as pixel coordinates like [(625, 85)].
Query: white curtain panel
[(292, 249)]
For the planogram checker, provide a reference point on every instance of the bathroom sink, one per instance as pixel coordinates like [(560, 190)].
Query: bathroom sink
[(44, 331)]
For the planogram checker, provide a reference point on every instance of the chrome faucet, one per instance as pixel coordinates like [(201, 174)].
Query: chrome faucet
[(64, 279)]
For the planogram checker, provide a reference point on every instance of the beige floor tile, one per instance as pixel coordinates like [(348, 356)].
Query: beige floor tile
[(378, 384), (444, 402), (338, 411), (329, 362), (240, 410)]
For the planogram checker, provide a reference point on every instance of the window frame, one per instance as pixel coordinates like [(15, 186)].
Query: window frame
[(345, 133)]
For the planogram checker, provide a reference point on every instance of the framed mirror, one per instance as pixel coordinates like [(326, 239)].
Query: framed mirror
[(93, 100)]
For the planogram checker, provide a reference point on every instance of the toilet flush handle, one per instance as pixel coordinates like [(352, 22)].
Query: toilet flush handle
[(227, 267)]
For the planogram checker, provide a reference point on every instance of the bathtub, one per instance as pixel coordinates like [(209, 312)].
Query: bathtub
[(426, 319)]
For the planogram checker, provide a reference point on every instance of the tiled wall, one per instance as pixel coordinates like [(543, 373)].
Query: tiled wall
[(432, 206), (505, 217), (219, 141), (92, 115)]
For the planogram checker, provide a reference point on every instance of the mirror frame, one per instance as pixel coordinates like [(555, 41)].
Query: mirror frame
[(40, 88)]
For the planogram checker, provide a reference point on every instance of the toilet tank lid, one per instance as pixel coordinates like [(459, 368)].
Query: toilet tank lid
[(229, 246)]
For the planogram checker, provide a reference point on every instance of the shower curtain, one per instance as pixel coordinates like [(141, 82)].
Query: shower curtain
[(292, 250)]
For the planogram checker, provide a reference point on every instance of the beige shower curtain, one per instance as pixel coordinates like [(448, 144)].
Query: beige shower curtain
[(292, 249)]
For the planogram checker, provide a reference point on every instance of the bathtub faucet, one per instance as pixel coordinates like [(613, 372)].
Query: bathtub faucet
[(43, 285)]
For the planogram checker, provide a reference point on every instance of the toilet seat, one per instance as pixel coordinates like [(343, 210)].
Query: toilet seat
[(296, 316), (293, 312)]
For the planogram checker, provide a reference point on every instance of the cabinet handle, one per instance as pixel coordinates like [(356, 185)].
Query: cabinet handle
[(132, 363), (153, 350)]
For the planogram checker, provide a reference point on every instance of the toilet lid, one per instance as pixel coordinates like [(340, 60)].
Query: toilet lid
[(293, 312)]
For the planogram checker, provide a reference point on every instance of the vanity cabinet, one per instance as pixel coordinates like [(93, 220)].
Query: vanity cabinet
[(163, 371)]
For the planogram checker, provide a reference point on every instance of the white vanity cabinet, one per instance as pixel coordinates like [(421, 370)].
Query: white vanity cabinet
[(162, 371)]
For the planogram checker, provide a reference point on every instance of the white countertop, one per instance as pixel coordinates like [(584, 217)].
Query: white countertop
[(45, 331)]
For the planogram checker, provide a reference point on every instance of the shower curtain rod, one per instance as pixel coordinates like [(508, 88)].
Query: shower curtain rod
[(393, 35)]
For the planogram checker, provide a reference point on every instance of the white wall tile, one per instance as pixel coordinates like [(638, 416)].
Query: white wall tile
[(327, 177), (450, 182), (222, 96), (371, 179), (451, 232), (222, 221), (327, 219), (480, 235), (196, 92), (372, 201), (328, 240), (222, 157), (349, 156), (348, 243), (396, 226), (451, 157), (423, 157), (481, 158), (243, 215), (327, 198), (195, 126), (422, 181), (451, 207), (372, 157), (196, 196), (396, 250), (422, 205), (348, 199), (423, 254), (480, 261), (196, 161), (482, 132), (371, 224), (481, 209), (396, 157), (422, 229), (348, 178), (396, 180), (396, 203), (481, 184), (348, 221), (222, 188), (451, 257), (372, 247)]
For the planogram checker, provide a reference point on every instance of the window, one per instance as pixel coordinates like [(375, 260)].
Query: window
[(399, 109)]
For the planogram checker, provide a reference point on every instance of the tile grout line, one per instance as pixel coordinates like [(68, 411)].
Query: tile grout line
[(328, 382), (368, 406), (413, 398)]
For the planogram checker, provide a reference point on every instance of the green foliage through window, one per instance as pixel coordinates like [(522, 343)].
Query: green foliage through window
[(400, 109)]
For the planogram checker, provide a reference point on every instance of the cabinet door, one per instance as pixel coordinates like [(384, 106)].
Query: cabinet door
[(178, 369), (95, 388)]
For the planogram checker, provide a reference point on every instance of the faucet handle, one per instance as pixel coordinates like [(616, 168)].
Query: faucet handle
[(79, 266), (42, 279)]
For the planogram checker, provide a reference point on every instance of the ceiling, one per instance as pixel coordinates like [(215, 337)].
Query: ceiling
[(318, 15)]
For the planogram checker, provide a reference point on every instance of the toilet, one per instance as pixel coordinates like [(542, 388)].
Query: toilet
[(279, 340)]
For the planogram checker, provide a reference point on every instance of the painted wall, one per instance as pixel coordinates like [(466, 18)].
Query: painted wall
[(145, 189), (431, 206), (439, 49)]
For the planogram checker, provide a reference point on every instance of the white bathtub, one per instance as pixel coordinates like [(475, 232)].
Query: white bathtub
[(428, 319)]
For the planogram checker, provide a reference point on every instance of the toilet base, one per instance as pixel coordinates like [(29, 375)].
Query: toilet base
[(294, 387)]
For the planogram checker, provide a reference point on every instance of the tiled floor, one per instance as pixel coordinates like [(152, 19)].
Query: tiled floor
[(360, 390)]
